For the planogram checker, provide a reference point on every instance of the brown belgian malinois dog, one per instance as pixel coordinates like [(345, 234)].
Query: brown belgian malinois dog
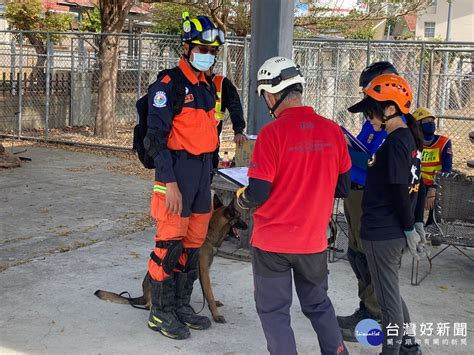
[(225, 220)]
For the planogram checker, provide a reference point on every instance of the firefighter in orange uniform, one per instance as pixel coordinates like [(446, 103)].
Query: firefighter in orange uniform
[(182, 146)]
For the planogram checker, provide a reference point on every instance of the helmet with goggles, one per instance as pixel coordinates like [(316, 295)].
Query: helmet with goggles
[(201, 30)]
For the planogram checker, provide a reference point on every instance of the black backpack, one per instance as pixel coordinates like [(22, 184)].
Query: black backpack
[(140, 130)]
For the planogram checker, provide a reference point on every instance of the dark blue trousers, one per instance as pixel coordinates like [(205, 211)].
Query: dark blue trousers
[(273, 298)]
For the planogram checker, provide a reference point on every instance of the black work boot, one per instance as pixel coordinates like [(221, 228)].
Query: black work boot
[(163, 317), (186, 313), (349, 322)]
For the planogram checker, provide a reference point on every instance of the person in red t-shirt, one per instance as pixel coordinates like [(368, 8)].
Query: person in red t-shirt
[(299, 164)]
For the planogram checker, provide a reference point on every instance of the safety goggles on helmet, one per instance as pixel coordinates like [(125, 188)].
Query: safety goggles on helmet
[(210, 37), (285, 74)]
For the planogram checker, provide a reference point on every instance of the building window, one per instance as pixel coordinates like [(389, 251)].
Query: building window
[(429, 29)]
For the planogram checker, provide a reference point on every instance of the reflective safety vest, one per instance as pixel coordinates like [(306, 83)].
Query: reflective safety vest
[(217, 80), (431, 159)]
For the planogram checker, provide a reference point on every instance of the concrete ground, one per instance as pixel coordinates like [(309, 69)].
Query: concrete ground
[(72, 223)]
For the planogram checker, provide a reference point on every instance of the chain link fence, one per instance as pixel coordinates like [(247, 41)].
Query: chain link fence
[(49, 88)]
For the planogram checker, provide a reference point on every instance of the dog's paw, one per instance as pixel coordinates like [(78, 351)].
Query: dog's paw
[(218, 303), (219, 319)]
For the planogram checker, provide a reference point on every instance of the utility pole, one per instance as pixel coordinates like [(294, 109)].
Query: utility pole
[(450, 17), (272, 35), (445, 81)]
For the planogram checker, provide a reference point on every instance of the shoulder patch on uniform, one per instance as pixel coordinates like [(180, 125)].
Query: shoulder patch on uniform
[(166, 79), (160, 99), (188, 98)]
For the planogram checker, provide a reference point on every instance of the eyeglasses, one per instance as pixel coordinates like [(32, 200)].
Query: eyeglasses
[(285, 74), (207, 49)]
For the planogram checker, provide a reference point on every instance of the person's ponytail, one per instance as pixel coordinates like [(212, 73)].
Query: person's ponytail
[(415, 131)]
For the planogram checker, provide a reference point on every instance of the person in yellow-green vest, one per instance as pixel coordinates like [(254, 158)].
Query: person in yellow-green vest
[(227, 98), (437, 156)]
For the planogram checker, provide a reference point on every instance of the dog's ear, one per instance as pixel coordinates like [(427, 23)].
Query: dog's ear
[(217, 202)]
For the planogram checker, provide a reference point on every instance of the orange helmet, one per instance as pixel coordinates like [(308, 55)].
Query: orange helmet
[(386, 87)]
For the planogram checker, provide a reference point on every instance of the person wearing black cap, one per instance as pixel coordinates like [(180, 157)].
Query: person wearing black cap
[(368, 305), (388, 203)]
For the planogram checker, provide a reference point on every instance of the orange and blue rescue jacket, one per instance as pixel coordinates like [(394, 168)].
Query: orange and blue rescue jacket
[(194, 129)]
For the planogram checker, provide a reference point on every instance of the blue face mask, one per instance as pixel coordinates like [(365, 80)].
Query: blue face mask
[(428, 129), (202, 62)]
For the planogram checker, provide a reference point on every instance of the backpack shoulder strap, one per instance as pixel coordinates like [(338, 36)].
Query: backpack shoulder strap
[(178, 80)]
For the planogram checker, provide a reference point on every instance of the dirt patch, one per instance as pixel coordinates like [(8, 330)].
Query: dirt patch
[(132, 168), (81, 168)]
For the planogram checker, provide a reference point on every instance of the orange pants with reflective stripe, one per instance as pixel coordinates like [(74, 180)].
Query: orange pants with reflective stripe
[(190, 230)]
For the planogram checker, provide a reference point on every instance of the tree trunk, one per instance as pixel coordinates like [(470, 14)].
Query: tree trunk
[(108, 63), (113, 14), (38, 73)]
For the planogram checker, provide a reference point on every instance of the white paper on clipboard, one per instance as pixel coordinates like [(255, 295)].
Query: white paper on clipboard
[(237, 176)]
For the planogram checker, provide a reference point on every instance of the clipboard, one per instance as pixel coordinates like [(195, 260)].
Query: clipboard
[(237, 176), (353, 142)]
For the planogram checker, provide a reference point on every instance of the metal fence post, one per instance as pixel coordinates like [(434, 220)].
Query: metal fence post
[(139, 84), (369, 48), (420, 75), (13, 66), (48, 85), (336, 81), (224, 62), (430, 80), (445, 82), (71, 89), (20, 86), (244, 76)]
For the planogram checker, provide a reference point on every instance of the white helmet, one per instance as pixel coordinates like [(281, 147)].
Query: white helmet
[(278, 73)]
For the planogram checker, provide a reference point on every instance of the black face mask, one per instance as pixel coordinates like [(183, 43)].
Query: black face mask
[(428, 129)]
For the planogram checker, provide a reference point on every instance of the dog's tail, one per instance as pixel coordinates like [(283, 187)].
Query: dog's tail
[(136, 302)]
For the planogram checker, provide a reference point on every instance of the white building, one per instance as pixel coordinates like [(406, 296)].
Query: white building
[(432, 22)]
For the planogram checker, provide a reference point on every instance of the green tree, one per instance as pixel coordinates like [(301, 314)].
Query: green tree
[(91, 21), (362, 32), (230, 15), (167, 17), (30, 18), (355, 24)]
